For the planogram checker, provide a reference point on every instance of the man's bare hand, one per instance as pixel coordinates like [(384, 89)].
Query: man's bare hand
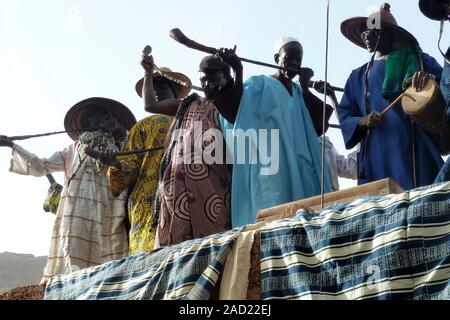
[(230, 57), (108, 156), (319, 86), (420, 80), (305, 75), (148, 64), (373, 120)]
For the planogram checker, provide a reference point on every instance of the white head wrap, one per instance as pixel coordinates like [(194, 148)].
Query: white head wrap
[(282, 42)]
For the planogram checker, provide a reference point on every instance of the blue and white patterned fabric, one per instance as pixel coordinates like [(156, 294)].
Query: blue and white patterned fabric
[(384, 247), (189, 270), (444, 173)]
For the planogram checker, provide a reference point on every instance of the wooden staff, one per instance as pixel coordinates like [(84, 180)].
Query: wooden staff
[(180, 37), (25, 137), (96, 154), (147, 51), (397, 100)]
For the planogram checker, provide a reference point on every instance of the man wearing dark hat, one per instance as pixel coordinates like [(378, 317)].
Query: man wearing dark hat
[(89, 227), (139, 173), (391, 144), (193, 199), (274, 106)]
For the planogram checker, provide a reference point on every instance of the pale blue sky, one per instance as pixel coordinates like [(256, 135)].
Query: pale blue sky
[(57, 52)]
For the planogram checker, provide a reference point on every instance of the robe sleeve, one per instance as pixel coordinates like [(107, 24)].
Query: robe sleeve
[(350, 115), (27, 163)]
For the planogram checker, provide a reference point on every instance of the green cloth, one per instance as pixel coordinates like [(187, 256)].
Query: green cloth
[(401, 65)]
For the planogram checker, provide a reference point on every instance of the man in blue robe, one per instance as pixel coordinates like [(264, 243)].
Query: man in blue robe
[(391, 145), (277, 156)]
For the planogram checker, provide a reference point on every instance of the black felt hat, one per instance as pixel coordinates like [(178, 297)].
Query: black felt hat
[(433, 9), (353, 27)]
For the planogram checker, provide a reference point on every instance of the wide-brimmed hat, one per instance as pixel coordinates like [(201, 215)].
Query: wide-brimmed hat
[(184, 90), (353, 27), (433, 9), (72, 120)]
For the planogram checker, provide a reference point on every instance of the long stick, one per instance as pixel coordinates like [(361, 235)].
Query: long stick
[(395, 102), (180, 37), (180, 82), (132, 152), (96, 154), (312, 83), (25, 137), (147, 51), (322, 185)]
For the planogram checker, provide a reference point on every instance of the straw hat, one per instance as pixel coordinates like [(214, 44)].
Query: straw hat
[(184, 91), (72, 120), (353, 27), (433, 9)]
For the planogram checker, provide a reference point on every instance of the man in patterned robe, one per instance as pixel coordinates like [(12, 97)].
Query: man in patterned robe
[(139, 173), (194, 187)]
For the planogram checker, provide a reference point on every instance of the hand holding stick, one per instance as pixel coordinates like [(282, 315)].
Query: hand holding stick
[(180, 37), (96, 154)]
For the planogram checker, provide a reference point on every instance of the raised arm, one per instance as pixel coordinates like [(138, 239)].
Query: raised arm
[(152, 103), (26, 163), (228, 101)]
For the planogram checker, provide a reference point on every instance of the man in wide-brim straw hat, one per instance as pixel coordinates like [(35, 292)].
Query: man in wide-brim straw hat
[(89, 227), (140, 173), (391, 144)]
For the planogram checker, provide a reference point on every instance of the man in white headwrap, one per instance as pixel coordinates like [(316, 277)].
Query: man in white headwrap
[(291, 167)]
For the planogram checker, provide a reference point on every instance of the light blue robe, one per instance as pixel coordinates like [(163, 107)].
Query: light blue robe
[(266, 104)]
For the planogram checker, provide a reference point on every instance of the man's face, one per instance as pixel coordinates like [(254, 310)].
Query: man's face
[(370, 38), (290, 56), (212, 81), (163, 90), (93, 118)]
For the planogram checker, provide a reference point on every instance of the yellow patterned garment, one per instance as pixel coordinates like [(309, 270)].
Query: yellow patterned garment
[(139, 173)]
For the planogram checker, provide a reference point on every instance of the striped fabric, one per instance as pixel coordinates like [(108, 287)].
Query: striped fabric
[(387, 247), (189, 270), (89, 227)]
